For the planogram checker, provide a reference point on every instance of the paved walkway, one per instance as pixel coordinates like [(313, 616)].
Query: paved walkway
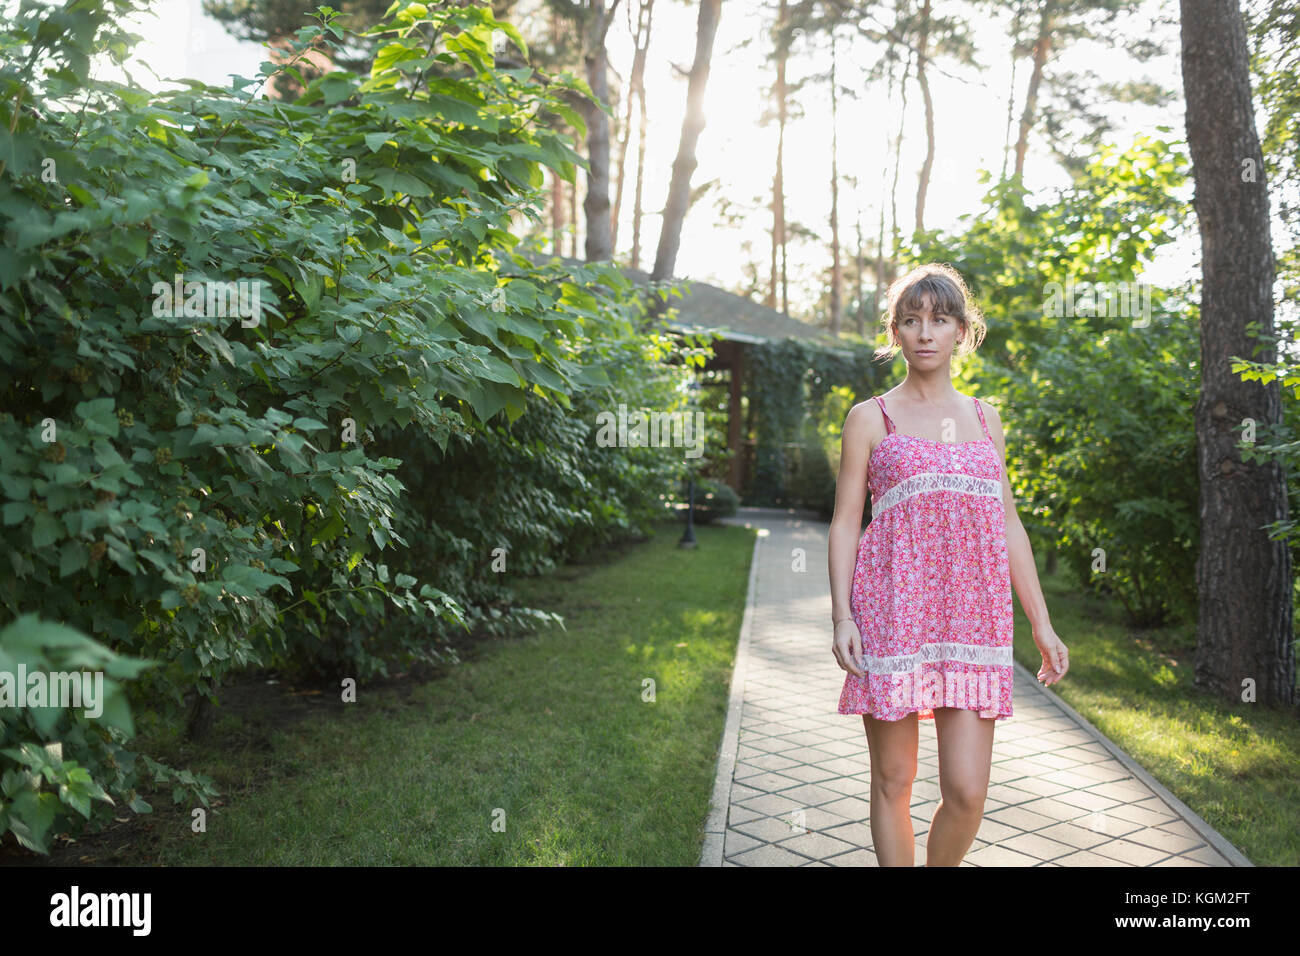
[(793, 778)]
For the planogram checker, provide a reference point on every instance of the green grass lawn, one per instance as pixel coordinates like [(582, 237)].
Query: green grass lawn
[(1237, 765), (541, 749)]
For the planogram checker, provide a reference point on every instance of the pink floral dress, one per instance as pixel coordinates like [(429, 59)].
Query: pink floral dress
[(931, 591)]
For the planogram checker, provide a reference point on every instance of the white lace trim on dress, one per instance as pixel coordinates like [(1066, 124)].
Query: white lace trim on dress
[(937, 481), (938, 651)]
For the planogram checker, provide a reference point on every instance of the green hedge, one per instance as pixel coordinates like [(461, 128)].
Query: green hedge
[(187, 491)]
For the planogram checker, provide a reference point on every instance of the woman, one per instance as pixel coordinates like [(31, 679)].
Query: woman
[(921, 602)]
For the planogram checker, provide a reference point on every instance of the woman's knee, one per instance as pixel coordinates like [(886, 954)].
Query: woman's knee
[(893, 779), (963, 796)]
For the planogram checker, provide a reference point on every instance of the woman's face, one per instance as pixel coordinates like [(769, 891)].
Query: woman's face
[(927, 339)]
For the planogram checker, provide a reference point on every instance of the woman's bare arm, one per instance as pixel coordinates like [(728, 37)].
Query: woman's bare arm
[(862, 428), (1024, 573)]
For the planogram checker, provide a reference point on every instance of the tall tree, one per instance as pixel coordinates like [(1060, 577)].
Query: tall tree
[(1017, 52), (679, 186), (635, 94), (556, 42), (638, 196), (1244, 625), (1042, 46), (571, 189), (557, 213), (1068, 108), (923, 80), (596, 205), (898, 149), (837, 273), (859, 311), (782, 37)]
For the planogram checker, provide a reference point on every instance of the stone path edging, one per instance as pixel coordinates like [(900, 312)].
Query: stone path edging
[(716, 824)]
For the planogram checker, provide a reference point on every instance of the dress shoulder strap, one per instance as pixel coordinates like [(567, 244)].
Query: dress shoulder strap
[(889, 422), (980, 411)]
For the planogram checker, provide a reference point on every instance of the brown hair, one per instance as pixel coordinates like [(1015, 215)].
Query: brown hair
[(949, 295)]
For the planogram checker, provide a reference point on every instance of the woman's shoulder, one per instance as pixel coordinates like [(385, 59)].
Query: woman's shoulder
[(987, 408), (865, 417), (992, 420), (869, 402)]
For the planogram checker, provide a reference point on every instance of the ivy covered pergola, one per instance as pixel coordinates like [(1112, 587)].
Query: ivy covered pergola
[(778, 371)]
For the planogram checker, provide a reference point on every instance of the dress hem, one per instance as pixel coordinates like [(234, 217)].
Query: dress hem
[(925, 714)]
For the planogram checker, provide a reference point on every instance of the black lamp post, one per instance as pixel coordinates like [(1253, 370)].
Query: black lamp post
[(688, 536)]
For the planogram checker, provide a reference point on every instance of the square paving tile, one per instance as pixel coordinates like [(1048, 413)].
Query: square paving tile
[(767, 829), (1205, 854), (1037, 846), (1020, 818), (736, 842), (1134, 854), (769, 855), (810, 774), (851, 808), (766, 761), (818, 846), (1081, 838), (770, 804)]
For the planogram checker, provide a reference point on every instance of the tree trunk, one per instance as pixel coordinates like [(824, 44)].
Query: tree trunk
[(557, 184), (596, 206), (861, 264), (638, 204), (200, 717), (573, 218), (1041, 48), (879, 289), (898, 149), (635, 91), (778, 182), (924, 181), (1244, 621), (557, 213), (1011, 89), (679, 186), (837, 275)]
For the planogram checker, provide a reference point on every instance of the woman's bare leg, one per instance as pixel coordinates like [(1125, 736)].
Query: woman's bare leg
[(892, 745), (965, 757)]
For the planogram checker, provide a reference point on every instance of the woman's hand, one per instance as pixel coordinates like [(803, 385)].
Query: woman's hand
[(1056, 657), (845, 645)]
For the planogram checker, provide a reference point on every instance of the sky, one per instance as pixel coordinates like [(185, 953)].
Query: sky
[(726, 234)]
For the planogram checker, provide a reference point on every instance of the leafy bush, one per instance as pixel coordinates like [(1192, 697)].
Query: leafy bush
[(713, 499), (220, 315), (1118, 483), (94, 730), (812, 485)]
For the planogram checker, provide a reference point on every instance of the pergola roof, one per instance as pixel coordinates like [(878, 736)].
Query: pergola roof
[(704, 306)]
